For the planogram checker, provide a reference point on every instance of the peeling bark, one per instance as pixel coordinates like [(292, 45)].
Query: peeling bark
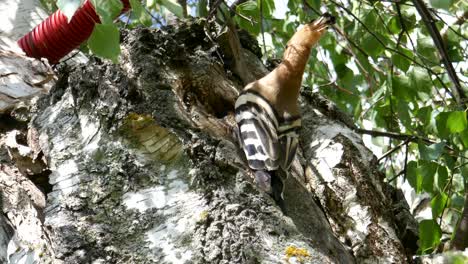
[(21, 79), (144, 168)]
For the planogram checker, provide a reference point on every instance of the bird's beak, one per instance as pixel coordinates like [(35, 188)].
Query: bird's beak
[(323, 22)]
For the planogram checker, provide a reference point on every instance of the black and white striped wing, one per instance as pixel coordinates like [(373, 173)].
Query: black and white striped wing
[(258, 123), (288, 140)]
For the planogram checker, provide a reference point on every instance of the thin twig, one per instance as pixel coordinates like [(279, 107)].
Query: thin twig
[(238, 14), (406, 160), (213, 9), (403, 27), (154, 17), (450, 189), (385, 47), (363, 70), (340, 32), (261, 27), (410, 138), (390, 152), (428, 20), (396, 176), (449, 27), (334, 84), (306, 4), (128, 19), (71, 56)]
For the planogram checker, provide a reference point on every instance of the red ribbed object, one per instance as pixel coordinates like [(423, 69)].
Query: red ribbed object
[(54, 38)]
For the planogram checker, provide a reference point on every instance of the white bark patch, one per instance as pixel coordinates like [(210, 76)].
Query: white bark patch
[(326, 132), (145, 199), (60, 219), (182, 210), (17, 17), (89, 132), (362, 219), (63, 177), (328, 156), (172, 174), (17, 253), (157, 197), (10, 142)]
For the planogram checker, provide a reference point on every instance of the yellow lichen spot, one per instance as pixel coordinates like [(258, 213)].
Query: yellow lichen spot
[(136, 121), (203, 216), (155, 141), (299, 253)]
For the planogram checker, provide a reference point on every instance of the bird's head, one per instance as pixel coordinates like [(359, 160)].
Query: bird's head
[(311, 33), (323, 21)]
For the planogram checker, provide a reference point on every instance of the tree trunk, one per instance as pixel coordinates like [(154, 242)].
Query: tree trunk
[(460, 241), (144, 168)]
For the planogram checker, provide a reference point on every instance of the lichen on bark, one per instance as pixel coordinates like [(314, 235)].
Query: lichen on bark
[(145, 169)]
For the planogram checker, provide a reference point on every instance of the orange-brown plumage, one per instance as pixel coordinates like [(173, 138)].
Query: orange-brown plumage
[(281, 86), (267, 112)]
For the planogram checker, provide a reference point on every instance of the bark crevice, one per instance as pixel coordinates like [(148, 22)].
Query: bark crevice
[(144, 167)]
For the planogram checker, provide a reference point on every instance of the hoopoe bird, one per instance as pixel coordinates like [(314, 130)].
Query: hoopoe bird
[(267, 111)]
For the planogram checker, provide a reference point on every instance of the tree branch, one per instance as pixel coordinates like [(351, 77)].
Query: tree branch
[(460, 241), (391, 151), (428, 20), (398, 136), (392, 49), (448, 26), (409, 138)]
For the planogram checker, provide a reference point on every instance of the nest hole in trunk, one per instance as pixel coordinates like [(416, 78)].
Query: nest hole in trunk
[(213, 100)]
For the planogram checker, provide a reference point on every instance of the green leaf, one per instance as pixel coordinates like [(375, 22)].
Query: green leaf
[(202, 8), (421, 176), (444, 4), (457, 202), (343, 71), (438, 204), (293, 5), (427, 171), (315, 4), (409, 19), (394, 25), (401, 87), (105, 41), (107, 10), (442, 177), (268, 7), (414, 176), (250, 10), (424, 115), (69, 7), (249, 6), (429, 235), (140, 13), (431, 152), (400, 61), (370, 20), (456, 121), (371, 45), (420, 80), (464, 138), (425, 47), (174, 7), (441, 124), (403, 113)]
